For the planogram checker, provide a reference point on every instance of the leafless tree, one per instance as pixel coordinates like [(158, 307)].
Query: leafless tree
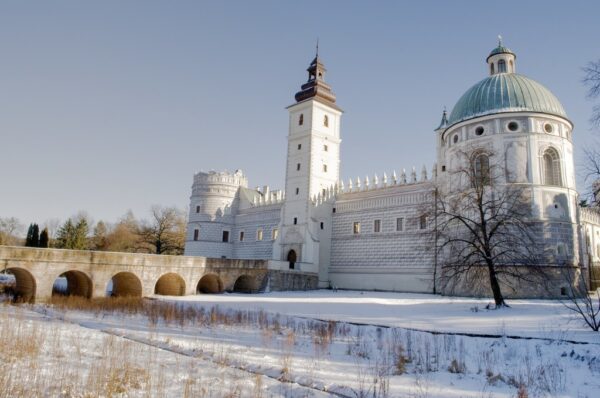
[(485, 237), (10, 227), (583, 303), (592, 81), (165, 232)]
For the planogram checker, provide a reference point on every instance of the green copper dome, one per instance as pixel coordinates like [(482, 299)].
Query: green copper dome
[(505, 92), (501, 50)]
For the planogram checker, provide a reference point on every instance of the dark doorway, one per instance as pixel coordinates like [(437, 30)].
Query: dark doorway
[(291, 257)]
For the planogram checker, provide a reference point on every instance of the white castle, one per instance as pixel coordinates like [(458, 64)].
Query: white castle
[(374, 233)]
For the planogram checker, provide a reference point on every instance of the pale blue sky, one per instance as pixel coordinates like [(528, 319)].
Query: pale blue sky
[(113, 105)]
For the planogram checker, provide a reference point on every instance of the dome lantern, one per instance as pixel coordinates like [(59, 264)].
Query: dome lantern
[(501, 59)]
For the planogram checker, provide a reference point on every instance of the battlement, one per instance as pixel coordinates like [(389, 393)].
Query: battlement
[(212, 177), (376, 183)]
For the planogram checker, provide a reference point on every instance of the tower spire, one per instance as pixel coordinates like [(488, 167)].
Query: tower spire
[(316, 87)]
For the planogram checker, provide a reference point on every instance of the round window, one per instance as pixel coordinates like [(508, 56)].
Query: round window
[(548, 128), (513, 126), (455, 139), (479, 130)]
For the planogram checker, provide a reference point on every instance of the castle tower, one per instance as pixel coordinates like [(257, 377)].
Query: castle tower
[(521, 127), (313, 164), (212, 213)]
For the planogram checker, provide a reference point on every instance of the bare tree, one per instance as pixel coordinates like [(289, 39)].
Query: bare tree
[(10, 227), (165, 232), (485, 237), (592, 80), (583, 303)]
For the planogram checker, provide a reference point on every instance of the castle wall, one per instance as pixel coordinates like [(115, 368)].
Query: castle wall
[(250, 221), (390, 259)]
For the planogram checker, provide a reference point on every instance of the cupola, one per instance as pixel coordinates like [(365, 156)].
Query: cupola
[(501, 59), (316, 87)]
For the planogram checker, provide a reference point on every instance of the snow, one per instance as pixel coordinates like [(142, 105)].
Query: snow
[(285, 344), (427, 312)]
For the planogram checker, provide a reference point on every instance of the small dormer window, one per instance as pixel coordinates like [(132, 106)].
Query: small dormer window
[(301, 119), (326, 121), (502, 66)]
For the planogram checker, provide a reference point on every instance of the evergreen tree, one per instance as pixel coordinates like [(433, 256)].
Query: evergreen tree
[(29, 237), (44, 238), (80, 236), (66, 232), (35, 237)]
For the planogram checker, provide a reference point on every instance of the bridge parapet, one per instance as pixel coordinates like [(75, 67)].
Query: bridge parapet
[(96, 274)]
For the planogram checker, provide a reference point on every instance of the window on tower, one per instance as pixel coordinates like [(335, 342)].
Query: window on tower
[(299, 146), (325, 148), (197, 209), (225, 236), (301, 119), (196, 234), (297, 191), (356, 228), (295, 220), (326, 121), (324, 168), (298, 167), (241, 236)]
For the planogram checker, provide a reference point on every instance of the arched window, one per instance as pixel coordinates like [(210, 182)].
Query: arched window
[(325, 121), (512, 67), (492, 68), (301, 120), (551, 168), (481, 169), (502, 66)]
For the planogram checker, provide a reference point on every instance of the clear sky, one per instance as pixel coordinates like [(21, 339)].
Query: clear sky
[(113, 105)]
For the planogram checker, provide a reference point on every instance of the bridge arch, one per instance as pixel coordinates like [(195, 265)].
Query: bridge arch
[(245, 284), (124, 284), (210, 283), (170, 284), (78, 283), (25, 285)]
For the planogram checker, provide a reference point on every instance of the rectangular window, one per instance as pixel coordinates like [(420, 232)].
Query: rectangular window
[(298, 166), (259, 234), (274, 233), (377, 226), (356, 228), (196, 234), (241, 236), (197, 209), (299, 146), (297, 191), (322, 225), (295, 220), (324, 168), (400, 224), (423, 222), (325, 148), (225, 236)]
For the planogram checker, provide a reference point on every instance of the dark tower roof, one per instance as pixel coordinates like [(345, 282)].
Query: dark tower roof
[(315, 87)]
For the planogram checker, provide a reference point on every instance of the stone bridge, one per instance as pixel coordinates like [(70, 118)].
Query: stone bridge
[(100, 274)]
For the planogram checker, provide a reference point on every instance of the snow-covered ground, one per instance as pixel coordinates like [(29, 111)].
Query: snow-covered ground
[(304, 344), (526, 318)]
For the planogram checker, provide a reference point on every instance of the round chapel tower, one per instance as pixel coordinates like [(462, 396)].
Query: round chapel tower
[(525, 131)]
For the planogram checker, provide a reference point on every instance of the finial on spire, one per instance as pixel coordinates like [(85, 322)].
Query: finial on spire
[(499, 41), (317, 47)]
